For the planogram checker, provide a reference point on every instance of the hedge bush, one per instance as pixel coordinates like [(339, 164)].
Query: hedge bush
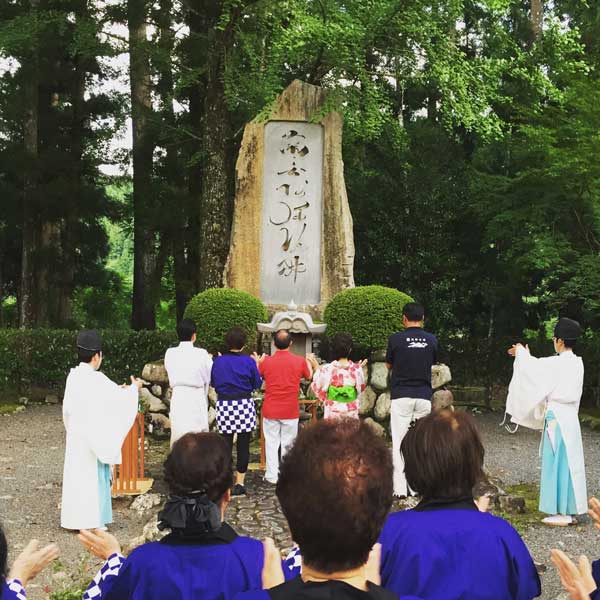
[(42, 357), (217, 310), (370, 313)]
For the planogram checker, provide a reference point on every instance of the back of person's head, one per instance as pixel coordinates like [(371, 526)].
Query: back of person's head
[(3, 557), (186, 328), (235, 338), (199, 462), (443, 455), (335, 490), (282, 339), (413, 312), (341, 345), (89, 343)]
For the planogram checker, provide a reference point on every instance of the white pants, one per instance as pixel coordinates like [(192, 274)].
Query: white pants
[(278, 433), (188, 411), (404, 411)]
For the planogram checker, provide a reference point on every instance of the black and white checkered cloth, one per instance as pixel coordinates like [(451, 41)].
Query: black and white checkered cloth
[(18, 591), (236, 416), (293, 564), (109, 570)]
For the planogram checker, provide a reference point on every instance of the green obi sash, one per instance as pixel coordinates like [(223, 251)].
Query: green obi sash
[(346, 393)]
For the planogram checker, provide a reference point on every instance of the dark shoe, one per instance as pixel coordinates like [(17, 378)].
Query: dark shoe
[(238, 490)]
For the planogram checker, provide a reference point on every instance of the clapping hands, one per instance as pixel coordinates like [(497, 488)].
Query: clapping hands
[(100, 543), (577, 580), (594, 512), (33, 561)]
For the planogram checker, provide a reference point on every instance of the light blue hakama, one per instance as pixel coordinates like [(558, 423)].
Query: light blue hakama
[(557, 496), (104, 497)]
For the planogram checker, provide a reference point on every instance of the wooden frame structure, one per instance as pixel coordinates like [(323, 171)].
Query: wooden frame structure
[(128, 477)]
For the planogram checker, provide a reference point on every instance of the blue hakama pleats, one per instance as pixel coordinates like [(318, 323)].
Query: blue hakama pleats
[(104, 497), (557, 496)]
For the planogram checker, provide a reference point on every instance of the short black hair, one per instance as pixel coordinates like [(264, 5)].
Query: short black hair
[(282, 339), (199, 462), (185, 330), (86, 356), (3, 556), (443, 455), (348, 472), (340, 346), (235, 338), (413, 312), (570, 344)]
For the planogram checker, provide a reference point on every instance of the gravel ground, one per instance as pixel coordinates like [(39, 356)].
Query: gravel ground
[(31, 459)]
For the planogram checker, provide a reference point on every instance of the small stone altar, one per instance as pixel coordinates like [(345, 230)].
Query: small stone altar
[(292, 233), (300, 325)]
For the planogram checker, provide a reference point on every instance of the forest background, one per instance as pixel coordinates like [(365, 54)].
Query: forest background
[(471, 150)]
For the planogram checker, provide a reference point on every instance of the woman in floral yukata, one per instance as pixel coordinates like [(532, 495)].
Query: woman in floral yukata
[(338, 384)]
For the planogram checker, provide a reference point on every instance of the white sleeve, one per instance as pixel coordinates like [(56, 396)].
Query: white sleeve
[(112, 412), (532, 382)]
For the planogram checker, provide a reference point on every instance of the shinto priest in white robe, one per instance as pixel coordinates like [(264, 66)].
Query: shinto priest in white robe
[(97, 414), (544, 394), (189, 370)]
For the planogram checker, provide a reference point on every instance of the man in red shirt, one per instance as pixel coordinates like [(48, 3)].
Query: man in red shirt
[(282, 373)]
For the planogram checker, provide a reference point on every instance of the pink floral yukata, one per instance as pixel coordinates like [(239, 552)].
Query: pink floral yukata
[(335, 381)]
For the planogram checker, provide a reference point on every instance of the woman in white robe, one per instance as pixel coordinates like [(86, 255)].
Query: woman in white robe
[(97, 414), (545, 394)]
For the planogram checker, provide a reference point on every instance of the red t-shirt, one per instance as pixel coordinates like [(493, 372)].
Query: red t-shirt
[(282, 373)]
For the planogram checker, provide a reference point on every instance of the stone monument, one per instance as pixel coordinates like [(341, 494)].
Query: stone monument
[(292, 238)]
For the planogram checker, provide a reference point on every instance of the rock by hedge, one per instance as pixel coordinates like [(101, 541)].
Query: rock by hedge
[(217, 310), (370, 313)]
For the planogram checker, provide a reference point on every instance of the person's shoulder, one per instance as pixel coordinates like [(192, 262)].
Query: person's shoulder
[(396, 337), (146, 554), (248, 543)]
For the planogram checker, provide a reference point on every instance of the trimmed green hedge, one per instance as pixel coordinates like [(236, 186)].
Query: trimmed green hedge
[(217, 310), (42, 357), (370, 313)]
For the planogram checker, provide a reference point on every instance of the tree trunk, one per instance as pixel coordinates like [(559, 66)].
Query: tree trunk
[(216, 207), (144, 249), (537, 18), (27, 299)]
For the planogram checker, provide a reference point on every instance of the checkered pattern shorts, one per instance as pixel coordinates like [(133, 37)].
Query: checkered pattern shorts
[(236, 416)]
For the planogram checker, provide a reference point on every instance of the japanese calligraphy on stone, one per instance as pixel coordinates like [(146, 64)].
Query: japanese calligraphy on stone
[(292, 213)]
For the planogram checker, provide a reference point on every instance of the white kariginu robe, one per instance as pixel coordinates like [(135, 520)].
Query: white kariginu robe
[(97, 414), (553, 384)]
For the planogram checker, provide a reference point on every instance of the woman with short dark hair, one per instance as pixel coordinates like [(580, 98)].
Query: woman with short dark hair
[(445, 548), (202, 556), (335, 490), (235, 376), (339, 383)]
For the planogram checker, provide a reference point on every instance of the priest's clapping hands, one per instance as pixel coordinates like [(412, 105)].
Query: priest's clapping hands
[(100, 543)]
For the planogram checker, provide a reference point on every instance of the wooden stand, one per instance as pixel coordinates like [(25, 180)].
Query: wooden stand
[(311, 405), (128, 477)]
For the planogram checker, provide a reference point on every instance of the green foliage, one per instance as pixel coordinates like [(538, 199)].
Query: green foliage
[(369, 313), (216, 310), (43, 357)]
